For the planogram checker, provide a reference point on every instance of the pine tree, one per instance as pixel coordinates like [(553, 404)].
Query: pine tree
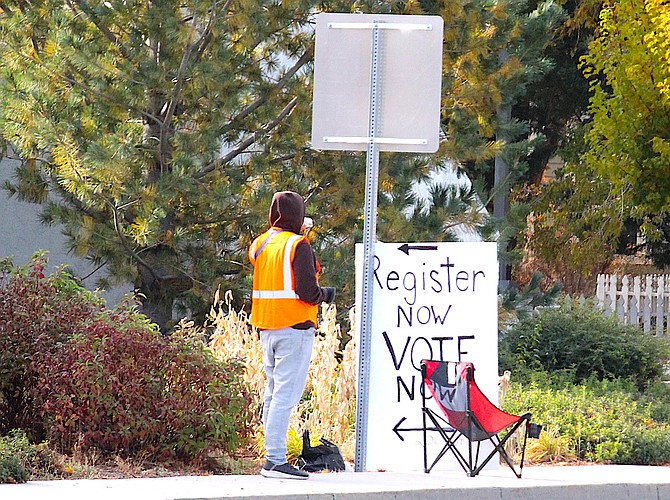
[(165, 127), (146, 118), (474, 86)]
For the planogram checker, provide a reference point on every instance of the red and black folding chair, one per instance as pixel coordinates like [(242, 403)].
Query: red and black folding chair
[(466, 413)]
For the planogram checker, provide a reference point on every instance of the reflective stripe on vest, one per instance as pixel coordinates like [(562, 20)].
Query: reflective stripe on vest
[(271, 235), (274, 294)]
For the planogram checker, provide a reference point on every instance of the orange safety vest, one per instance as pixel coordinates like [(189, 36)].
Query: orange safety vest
[(274, 303)]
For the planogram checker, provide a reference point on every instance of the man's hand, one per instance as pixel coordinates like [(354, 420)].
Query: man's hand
[(328, 294)]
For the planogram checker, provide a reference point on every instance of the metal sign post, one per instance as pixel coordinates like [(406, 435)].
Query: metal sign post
[(369, 236), (410, 122)]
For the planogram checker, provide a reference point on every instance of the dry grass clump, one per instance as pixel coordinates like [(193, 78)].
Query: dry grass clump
[(327, 408), (550, 447), (330, 404), (235, 338)]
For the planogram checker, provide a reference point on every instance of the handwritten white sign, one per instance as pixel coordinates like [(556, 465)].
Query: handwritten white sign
[(430, 301)]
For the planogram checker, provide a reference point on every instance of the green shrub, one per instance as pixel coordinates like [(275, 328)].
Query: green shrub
[(14, 451), (36, 459), (11, 470), (580, 339), (206, 404), (606, 421), (657, 395)]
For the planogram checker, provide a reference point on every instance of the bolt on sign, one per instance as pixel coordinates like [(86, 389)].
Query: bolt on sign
[(430, 301)]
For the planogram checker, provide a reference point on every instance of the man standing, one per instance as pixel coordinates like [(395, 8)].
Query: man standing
[(284, 307)]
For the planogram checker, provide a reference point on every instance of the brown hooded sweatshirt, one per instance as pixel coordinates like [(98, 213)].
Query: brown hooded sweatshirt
[(287, 211)]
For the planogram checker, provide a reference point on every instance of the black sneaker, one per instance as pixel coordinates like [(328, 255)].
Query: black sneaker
[(282, 471)]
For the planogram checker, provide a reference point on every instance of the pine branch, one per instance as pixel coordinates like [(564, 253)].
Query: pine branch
[(104, 263), (207, 38), (77, 83), (80, 207), (4, 8), (103, 29), (218, 222), (124, 243), (248, 141), (23, 8), (313, 192), (283, 158), (197, 47), (281, 83)]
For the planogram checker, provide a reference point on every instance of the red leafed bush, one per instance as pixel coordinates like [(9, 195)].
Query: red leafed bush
[(35, 315), (106, 379), (126, 389), (205, 399), (103, 388)]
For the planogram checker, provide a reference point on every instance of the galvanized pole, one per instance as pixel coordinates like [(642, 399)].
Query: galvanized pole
[(369, 237)]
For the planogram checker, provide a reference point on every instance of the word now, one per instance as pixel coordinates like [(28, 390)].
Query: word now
[(423, 316)]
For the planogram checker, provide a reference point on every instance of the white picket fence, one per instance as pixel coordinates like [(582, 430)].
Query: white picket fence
[(638, 300)]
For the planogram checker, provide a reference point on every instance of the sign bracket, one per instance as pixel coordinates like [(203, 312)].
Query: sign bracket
[(377, 140)]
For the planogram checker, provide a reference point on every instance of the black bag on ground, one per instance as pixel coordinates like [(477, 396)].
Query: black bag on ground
[(325, 456)]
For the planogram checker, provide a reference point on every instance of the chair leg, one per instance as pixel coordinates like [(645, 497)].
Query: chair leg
[(510, 463), (499, 447), (425, 440), (450, 445)]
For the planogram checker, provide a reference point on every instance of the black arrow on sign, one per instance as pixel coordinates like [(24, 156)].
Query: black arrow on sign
[(397, 428), (406, 248)]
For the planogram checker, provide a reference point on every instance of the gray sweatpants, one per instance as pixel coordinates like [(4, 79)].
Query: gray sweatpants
[(286, 355)]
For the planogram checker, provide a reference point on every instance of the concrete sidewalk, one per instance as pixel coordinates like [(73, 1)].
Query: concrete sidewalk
[(590, 482)]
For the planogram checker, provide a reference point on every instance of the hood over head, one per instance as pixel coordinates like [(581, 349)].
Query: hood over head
[(287, 211)]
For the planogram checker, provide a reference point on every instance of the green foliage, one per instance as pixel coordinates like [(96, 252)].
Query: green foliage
[(11, 470), (559, 100), (605, 421), (38, 460), (28, 460), (657, 395), (519, 304), (580, 339), (165, 128), (499, 52), (147, 119), (12, 447), (87, 377), (629, 69), (616, 149), (207, 406), (657, 241), (572, 225)]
